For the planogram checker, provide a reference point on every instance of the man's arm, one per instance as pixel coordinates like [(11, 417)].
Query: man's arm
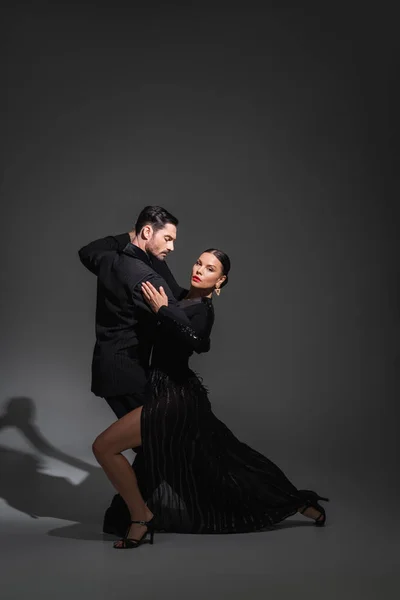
[(122, 269), (91, 254), (158, 282), (161, 267)]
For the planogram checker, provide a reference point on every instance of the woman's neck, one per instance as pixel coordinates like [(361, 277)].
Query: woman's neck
[(196, 293)]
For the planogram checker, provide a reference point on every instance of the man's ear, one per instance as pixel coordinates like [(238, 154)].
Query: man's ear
[(146, 232)]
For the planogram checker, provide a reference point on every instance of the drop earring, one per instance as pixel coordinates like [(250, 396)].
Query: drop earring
[(217, 291)]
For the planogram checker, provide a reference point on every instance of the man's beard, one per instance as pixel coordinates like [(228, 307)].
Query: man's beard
[(160, 256)]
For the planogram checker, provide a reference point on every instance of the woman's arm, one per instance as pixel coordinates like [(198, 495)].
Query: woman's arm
[(195, 335)]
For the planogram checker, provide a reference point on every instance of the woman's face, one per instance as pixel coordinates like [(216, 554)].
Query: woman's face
[(207, 272)]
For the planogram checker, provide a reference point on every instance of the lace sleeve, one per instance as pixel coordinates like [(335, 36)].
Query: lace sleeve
[(196, 335)]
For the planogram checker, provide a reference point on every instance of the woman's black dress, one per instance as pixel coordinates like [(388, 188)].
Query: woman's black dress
[(194, 474)]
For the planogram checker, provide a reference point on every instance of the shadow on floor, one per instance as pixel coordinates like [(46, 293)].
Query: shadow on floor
[(37, 494)]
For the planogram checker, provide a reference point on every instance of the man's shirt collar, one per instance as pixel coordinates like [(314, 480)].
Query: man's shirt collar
[(136, 252)]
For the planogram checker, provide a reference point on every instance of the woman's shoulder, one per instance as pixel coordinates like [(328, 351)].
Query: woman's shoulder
[(195, 301), (207, 306), (197, 306), (208, 303)]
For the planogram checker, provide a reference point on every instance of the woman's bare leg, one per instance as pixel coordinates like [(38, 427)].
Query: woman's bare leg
[(123, 435)]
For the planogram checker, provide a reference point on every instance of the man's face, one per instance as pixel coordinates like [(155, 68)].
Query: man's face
[(161, 243)]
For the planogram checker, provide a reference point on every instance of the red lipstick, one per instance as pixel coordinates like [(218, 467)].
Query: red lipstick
[(195, 278)]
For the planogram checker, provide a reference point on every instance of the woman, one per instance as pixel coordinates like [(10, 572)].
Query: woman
[(193, 475)]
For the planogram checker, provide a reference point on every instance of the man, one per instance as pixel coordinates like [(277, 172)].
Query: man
[(125, 325)]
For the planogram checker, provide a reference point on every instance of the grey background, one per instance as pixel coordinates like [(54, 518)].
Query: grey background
[(269, 134)]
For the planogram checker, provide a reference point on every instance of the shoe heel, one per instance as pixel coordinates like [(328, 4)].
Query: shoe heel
[(320, 522), (313, 495), (152, 537)]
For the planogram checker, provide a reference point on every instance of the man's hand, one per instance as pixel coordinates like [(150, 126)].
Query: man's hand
[(154, 298)]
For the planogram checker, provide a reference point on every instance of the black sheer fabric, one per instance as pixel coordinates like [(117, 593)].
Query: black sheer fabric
[(194, 474)]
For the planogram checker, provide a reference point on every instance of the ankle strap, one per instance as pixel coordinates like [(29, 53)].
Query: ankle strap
[(141, 522)]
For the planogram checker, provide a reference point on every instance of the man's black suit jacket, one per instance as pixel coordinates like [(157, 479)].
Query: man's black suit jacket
[(125, 325)]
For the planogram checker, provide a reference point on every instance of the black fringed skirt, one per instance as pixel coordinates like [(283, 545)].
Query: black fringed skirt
[(195, 475)]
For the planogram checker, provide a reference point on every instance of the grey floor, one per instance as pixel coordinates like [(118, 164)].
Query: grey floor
[(52, 547)]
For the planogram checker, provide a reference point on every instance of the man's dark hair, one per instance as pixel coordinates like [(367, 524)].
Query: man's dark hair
[(156, 216)]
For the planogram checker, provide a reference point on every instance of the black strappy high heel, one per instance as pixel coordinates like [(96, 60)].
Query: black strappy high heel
[(128, 543), (312, 501)]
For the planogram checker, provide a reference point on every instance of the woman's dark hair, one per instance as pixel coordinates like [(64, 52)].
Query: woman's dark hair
[(156, 216), (225, 262)]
